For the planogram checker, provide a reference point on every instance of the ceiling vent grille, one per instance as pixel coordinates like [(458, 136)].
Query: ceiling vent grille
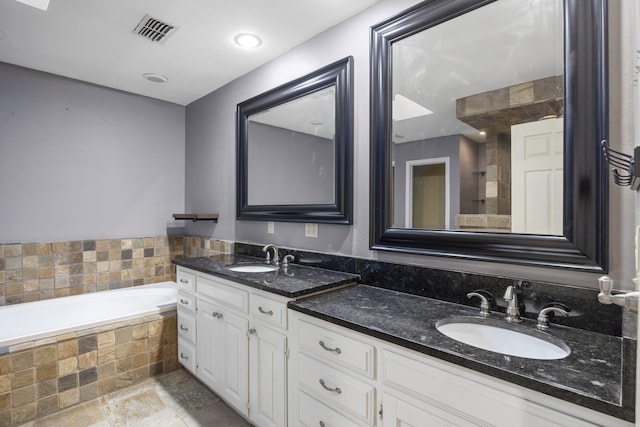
[(154, 29)]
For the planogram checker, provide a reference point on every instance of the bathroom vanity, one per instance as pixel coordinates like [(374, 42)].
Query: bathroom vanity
[(303, 346), (233, 328), (369, 356)]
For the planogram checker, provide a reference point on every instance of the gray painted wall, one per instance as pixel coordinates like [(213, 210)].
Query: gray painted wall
[(289, 167), (210, 153), (79, 161)]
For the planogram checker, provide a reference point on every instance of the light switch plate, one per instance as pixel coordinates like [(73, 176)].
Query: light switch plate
[(311, 230), (271, 227)]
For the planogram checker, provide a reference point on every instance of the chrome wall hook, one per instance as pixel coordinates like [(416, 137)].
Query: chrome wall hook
[(626, 168)]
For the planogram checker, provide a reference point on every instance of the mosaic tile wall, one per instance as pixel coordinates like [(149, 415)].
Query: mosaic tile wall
[(37, 271), (40, 377)]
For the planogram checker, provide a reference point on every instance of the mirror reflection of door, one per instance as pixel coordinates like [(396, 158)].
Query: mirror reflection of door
[(428, 198), (537, 177)]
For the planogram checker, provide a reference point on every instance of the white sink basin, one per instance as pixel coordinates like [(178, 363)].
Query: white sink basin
[(252, 268), (501, 337)]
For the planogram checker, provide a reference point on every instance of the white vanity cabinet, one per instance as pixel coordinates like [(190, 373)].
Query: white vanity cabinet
[(382, 384), (240, 345)]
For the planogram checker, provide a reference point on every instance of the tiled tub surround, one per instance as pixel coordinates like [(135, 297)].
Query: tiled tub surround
[(397, 290), (37, 271), (40, 377)]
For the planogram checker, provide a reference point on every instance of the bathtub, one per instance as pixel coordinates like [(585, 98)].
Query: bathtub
[(41, 319)]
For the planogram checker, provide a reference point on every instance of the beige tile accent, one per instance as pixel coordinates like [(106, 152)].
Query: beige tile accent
[(88, 360), (5, 401), (5, 364), (5, 383), (139, 331), (46, 372), (23, 378), (106, 339), (45, 355), (22, 360), (69, 397), (23, 396), (67, 366), (67, 349), (24, 412)]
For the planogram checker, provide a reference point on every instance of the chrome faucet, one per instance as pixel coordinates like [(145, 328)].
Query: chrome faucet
[(276, 257), (511, 296), (486, 300), (627, 300), (543, 316)]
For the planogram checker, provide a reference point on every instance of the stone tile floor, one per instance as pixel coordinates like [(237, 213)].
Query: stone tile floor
[(175, 399)]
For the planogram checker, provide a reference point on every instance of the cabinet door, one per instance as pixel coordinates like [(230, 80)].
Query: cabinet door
[(400, 413), (209, 351), (267, 376), (235, 361)]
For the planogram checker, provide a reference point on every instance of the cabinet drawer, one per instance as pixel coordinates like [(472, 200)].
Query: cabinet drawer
[(337, 348), (226, 295), (268, 310), (186, 280), (187, 327), (187, 355), (186, 302), (312, 413), (336, 388)]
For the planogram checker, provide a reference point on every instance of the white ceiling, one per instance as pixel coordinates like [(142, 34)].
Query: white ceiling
[(93, 40)]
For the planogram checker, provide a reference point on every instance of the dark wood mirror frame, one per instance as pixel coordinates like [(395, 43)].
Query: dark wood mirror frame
[(584, 244), (340, 75)]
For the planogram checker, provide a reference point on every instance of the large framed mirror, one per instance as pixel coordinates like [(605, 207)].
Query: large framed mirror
[(486, 122), (294, 150)]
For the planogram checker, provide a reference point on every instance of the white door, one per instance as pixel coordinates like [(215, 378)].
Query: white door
[(537, 177), (267, 376)]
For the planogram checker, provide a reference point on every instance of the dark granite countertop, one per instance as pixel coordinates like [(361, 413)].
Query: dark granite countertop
[(590, 376), (292, 281)]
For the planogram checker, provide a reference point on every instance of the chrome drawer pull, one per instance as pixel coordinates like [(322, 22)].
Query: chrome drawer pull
[(184, 301), (184, 356), (335, 350), (321, 423), (183, 327), (334, 390), (184, 281), (217, 315), (270, 312)]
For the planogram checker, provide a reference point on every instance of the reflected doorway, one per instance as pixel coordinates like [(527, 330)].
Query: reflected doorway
[(428, 193)]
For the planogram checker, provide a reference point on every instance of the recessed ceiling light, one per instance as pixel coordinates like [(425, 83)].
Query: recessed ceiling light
[(247, 40), (156, 78)]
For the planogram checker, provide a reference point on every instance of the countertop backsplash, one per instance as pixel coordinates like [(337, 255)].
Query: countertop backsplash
[(453, 286)]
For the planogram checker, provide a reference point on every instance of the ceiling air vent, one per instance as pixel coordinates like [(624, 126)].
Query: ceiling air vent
[(154, 29)]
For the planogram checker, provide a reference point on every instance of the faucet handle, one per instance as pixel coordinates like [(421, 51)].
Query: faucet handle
[(287, 259), (606, 284), (543, 316), (486, 299)]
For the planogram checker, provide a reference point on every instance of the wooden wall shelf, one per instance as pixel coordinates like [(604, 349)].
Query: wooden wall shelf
[(197, 217)]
